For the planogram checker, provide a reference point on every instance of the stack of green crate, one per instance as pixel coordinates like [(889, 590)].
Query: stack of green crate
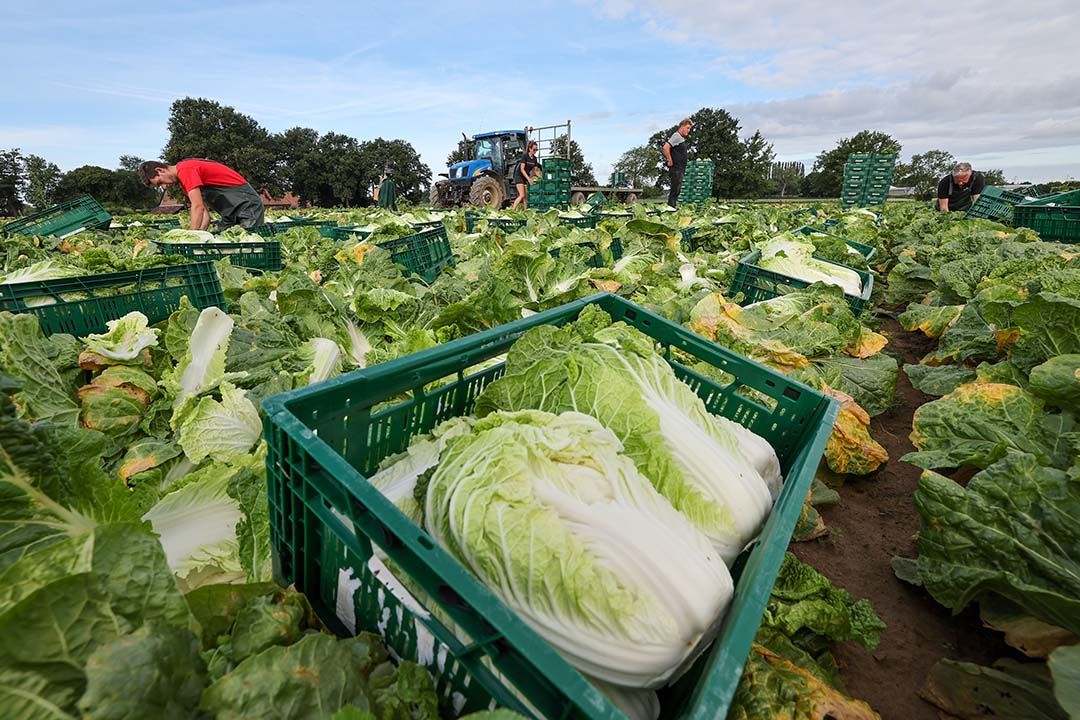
[(697, 183), (867, 177), (553, 187)]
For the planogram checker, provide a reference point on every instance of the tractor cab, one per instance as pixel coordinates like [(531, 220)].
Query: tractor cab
[(486, 178)]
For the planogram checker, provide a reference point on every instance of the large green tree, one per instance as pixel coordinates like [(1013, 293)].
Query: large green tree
[(459, 154), (639, 164), (130, 191), (827, 174), (87, 180), (301, 167), (741, 166), (12, 182), (581, 172), (411, 176), (116, 189), (342, 176), (786, 177), (924, 171), (201, 128), (42, 178), (750, 177), (130, 163)]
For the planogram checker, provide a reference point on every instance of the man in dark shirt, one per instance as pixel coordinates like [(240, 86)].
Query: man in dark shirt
[(675, 155), (959, 190), (209, 184)]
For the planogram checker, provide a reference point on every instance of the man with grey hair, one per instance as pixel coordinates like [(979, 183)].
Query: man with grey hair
[(959, 190)]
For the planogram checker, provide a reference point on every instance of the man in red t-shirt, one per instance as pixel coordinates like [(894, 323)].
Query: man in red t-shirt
[(209, 184)]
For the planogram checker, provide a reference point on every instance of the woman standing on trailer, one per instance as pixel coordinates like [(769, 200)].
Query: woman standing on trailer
[(523, 174)]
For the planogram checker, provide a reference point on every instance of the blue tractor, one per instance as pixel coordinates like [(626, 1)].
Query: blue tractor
[(486, 179)]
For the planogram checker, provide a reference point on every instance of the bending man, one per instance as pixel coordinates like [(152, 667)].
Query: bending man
[(959, 190), (209, 185)]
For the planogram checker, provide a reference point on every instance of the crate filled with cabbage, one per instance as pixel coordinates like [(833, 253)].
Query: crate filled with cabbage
[(792, 261), (580, 514), (241, 248)]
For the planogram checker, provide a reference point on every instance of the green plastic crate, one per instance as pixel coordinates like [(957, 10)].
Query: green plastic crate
[(588, 222), (282, 225), (83, 305), (865, 250), (265, 230), (991, 207), (757, 284), (425, 254), (1002, 194), (263, 256), (1060, 223), (350, 233), (165, 223), (63, 220), (614, 215), (326, 228), (427, 224), (507, 225), (1069, 199), (325, 439), (687, 236)]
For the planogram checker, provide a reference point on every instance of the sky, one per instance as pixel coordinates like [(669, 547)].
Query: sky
[(995, 84)]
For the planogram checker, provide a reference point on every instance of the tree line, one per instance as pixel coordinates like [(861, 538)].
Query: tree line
[(329, 169), (745, 167), (30, 182)]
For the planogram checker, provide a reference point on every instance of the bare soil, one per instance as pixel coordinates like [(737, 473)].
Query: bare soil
[(875, 521)]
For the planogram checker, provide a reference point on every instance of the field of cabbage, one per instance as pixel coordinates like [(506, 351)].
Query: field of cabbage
[(135, 558)]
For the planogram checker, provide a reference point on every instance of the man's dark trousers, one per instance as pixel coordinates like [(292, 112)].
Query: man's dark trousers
[(676, 178)]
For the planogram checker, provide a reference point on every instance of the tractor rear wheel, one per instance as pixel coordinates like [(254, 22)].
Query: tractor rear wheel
[(487, 191)]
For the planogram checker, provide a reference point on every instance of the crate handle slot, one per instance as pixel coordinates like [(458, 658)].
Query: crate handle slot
[(479, 646)]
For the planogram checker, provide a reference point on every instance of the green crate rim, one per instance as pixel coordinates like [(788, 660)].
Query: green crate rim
[(425, 253), (989, 207), (588, 222), (863, 249), (748, 272), (1069, 198), (350, 232), (66, 218), (263, 255), (522, 657), (1060, 223), (91, 314)]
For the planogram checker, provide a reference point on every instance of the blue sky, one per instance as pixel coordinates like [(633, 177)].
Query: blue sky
[(87, 82)]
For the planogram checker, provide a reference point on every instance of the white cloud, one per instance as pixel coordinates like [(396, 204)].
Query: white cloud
[(977, 81)]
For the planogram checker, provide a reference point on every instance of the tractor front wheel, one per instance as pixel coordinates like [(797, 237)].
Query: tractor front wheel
[(436, 196), (487, 191)]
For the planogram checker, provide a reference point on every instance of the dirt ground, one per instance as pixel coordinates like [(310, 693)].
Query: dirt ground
[(875, 521)]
